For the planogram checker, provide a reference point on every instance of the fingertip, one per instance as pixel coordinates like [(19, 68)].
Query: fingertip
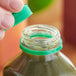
[(2, 34), (16, 5), (7, 21)]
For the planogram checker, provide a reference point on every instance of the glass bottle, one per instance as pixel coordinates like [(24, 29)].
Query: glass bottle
[(41, 56)]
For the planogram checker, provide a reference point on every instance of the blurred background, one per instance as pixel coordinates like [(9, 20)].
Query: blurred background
[(59, 13)]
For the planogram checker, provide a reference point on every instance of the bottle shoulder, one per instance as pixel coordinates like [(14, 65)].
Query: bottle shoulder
[(58, 66), (17, 65)]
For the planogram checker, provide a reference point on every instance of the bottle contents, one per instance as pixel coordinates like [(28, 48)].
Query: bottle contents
[(41, 56)]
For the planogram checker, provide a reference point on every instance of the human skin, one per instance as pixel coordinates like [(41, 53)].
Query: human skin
[(7, 7)]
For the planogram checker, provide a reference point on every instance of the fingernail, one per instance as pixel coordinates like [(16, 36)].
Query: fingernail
[(16, 5), (2, 33), (8, 21)]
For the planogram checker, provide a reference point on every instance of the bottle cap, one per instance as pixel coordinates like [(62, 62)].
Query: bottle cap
[(22, 15)]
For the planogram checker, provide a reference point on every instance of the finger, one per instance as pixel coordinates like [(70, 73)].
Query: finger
[(12, 5), (6, 19), (2, 33)]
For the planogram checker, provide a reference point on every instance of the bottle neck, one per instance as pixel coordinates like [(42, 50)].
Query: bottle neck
[(41, 37), (41, 42)]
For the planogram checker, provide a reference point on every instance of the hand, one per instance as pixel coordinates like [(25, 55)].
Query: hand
[(6, 18)]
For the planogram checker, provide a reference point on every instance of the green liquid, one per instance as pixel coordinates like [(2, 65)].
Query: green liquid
[(28, 65)]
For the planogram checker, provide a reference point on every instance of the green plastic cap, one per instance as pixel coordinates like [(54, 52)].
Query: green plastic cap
[(22, 15)]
